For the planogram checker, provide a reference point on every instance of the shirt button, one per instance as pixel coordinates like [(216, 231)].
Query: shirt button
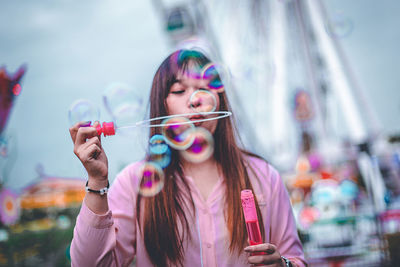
[(209, 245)]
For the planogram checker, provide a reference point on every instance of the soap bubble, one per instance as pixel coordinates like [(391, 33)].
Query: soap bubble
[(83, 110), (339, 26), (160, 153), (202, 147), (217, 75), (158, 145), (178, 135), (123, 104), (203, 101), (162, 160), (151, 179), (198, 44), (126, 115)]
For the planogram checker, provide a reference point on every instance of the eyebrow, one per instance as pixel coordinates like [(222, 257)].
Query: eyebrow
[(181, 82), (176, 81)]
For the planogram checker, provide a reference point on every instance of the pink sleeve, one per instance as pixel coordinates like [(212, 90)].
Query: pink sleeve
[(107, 240), (283, 226)]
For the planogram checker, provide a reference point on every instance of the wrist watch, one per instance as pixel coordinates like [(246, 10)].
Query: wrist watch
[(287, 261)]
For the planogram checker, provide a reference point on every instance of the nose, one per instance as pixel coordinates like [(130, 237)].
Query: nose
[(202, 101), (195, 102)]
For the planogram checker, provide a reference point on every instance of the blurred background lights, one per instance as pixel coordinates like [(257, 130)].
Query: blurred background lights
[(17, 89)]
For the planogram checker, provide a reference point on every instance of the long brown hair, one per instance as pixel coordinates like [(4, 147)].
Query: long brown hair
[(163, 221)]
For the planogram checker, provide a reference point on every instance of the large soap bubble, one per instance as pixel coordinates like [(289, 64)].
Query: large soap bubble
[(83, 110), (202, 147), (177, 132)]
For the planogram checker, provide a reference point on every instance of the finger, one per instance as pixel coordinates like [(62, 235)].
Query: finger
[(264, 259), (95, 124), (83, 134), (91, 153), (85, 123), (94, 140), (265, 247), (74, 129)]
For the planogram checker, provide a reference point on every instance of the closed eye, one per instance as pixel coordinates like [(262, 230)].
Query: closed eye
[(178, 92)]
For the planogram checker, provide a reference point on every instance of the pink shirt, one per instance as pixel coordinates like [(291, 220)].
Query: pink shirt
[(113, 239)]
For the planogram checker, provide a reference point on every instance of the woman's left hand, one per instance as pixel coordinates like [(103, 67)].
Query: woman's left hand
[(270, 255)]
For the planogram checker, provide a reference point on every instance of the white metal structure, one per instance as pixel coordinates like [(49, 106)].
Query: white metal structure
[(274, 48)]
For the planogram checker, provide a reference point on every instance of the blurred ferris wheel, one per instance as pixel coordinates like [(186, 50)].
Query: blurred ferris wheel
[(288, 74)]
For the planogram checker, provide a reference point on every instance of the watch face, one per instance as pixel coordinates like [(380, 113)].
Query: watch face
[(287, 261)]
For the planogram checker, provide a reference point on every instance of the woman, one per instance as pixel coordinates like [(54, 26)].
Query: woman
[(196, 219)]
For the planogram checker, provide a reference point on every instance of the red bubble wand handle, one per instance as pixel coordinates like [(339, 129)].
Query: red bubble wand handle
[(107, 129)]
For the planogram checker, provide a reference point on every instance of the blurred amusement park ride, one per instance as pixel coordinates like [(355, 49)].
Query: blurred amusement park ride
[(299, 104), (36, 222)]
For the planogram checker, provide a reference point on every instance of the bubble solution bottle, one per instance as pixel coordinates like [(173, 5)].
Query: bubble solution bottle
[(250, 217)]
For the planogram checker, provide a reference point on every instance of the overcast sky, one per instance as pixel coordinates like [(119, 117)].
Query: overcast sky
[(75, 49)]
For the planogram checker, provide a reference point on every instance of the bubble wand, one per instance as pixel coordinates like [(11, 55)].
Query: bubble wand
[(109, 128)]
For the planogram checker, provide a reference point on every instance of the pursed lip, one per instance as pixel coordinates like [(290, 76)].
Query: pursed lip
[(196, 117)]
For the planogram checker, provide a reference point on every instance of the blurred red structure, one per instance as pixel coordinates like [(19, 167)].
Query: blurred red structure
[(9, 88)]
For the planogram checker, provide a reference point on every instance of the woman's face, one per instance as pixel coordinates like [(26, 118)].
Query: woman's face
[(180, 99)]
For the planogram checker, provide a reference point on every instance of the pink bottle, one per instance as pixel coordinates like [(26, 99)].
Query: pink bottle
[(250, 216)]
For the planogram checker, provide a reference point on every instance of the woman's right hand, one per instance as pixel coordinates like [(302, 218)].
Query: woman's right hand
[(87, 147)]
